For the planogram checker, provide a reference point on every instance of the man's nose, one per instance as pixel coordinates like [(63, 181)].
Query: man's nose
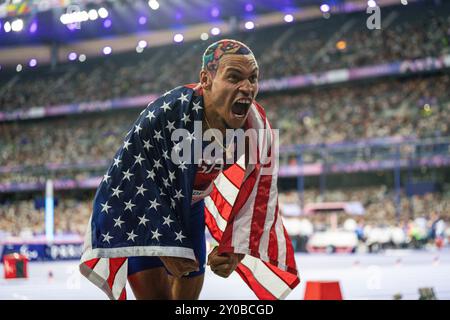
[(247, 88)]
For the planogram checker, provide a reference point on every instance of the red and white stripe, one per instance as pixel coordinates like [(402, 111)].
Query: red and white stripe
[(242, 215)]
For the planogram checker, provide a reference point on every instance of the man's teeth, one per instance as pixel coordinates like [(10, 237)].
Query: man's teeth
[(244, 100)]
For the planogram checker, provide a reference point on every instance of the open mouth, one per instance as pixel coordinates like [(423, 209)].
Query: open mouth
[(240, 107)]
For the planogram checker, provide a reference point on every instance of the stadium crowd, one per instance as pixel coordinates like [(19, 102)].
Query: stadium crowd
[(411, 107), (302, 50), (21, 218)]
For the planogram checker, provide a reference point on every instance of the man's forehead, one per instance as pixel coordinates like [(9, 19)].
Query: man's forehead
[(242, 63)]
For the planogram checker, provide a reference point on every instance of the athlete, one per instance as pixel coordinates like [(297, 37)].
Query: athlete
[(148, 221)]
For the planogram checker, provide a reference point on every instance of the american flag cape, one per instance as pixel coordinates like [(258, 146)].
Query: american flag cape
[(142, 205)]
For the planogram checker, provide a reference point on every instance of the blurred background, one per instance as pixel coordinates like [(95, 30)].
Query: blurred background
[(361, 100)]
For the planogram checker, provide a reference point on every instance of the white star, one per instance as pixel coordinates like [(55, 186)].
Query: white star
[(183, 98), (197, 106), (157, 135), (176, 147), (127, 174), (172, 203), (166, 182), (137, 129), (171, 175), (106, 177), (116, 192), (147, 145), (179, 236), (105, 206), (156, 234), (143, 220), (131, 235), (170, 126), (154, 204), (166, 93), (179, 195), (129, 206), (186, 118), (126, 144), (141, 190), (165, 106), (116, 162), (165, 156), (182, 166), (151, 175), (118, 222), (190, 137), (161, 192), (106, 237), (150, 115), (139, 159), (157, 164), (167, 220)]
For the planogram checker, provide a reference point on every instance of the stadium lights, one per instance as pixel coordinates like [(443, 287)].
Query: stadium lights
[(32, 63), (17, 25), (107, 23), (371, 3), (289, 18), (215, 31), (142, 44), (178, 37), (249, 25), (153, 4), (75, 17), (7, 26), (142, 20), (215, 12), (93, 15), (204, 36), (404, 2), (249, 7), (324, 8), (19, 67), (103, 13), (82, 58), (72, 56), (107, 50), (33, 27)]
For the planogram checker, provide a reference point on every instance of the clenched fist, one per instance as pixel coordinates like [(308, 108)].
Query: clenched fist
[(179, 267), (223, 265)]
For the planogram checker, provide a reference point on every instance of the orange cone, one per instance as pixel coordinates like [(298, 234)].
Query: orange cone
[(323, 290)]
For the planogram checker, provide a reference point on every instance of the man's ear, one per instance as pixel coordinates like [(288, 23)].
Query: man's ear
[(205, 80)]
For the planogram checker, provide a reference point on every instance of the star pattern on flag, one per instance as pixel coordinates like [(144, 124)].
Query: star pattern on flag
[(156, 234), (179, 236), (143, 220), (107, 237), (167, 220), (129, 205), (105, 207), (142, 200), (165, 106), (118, 222), (116, 192), (131, 235), (141, 189)]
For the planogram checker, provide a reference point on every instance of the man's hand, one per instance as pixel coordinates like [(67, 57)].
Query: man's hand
[(179, 267), (223, 265)]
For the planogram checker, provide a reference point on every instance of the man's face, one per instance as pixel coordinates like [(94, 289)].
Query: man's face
[(233, 89)]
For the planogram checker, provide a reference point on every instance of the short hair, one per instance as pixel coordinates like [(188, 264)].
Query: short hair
[(213, 54)]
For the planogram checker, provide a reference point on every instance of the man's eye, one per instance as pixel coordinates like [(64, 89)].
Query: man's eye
[(253, 79), (233, 77)]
